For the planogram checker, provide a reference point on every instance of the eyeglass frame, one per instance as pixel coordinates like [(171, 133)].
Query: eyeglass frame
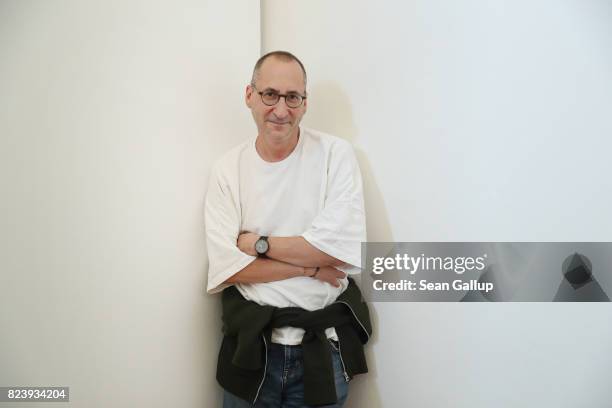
[(279, 96)]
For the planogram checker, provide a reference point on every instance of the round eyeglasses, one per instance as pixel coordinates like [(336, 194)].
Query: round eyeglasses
[(270, 97)]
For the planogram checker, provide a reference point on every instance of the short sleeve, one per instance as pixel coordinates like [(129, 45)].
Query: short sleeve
[(339, 228), (222, 222)]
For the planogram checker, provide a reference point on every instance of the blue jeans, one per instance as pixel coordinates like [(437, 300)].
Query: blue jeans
[(283, 386)]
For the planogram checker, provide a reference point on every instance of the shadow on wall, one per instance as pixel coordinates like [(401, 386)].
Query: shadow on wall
[(330, 111)]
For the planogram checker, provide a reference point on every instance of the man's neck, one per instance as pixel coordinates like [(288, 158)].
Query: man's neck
[(275, 151)]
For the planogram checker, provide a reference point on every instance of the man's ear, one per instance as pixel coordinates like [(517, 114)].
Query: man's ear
[(248, 93)]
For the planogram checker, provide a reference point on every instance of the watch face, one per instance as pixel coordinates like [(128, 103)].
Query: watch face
[(261, 246)]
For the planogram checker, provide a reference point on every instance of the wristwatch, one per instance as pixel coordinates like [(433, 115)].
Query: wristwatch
[(262, 246)]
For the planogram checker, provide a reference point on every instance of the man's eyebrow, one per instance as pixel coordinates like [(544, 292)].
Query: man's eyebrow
[(277, 91)]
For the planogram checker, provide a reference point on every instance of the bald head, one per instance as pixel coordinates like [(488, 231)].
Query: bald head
[(281, 56)]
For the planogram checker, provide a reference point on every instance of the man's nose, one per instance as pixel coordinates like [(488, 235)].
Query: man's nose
[(281, 109)]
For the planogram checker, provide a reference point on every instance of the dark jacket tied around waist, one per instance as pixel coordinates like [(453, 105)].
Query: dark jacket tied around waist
[(247, 329)]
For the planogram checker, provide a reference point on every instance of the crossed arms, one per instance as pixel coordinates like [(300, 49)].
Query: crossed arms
[(338, 229), (288, 257)]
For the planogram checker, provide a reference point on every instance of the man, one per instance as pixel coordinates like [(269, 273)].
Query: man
[(284, 223)]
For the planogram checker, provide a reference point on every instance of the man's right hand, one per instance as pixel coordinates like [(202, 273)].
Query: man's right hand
[(330, 275)]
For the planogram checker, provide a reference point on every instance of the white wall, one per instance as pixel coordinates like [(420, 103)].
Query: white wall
[(474, 121), (111, 113)]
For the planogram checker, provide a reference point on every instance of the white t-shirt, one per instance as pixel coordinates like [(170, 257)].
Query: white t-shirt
[(316, 192)]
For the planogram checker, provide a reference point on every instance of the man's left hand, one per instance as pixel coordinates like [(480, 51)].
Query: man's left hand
[(246, 243)]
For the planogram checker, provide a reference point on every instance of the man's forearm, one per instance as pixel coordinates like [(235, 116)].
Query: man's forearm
[(298, 251), (268, 270)]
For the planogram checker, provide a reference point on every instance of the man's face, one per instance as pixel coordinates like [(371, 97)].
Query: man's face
[(277, 123)]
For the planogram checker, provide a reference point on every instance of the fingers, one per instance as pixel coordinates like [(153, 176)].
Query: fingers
[(334, 282), (331, 275)]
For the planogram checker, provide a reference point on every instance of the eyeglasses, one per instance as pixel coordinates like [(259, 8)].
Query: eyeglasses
[(271, 98)]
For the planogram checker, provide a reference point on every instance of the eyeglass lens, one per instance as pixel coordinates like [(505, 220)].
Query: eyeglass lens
[(271, 98)]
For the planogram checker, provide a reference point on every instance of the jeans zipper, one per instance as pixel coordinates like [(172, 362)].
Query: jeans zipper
[(265, 368)]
